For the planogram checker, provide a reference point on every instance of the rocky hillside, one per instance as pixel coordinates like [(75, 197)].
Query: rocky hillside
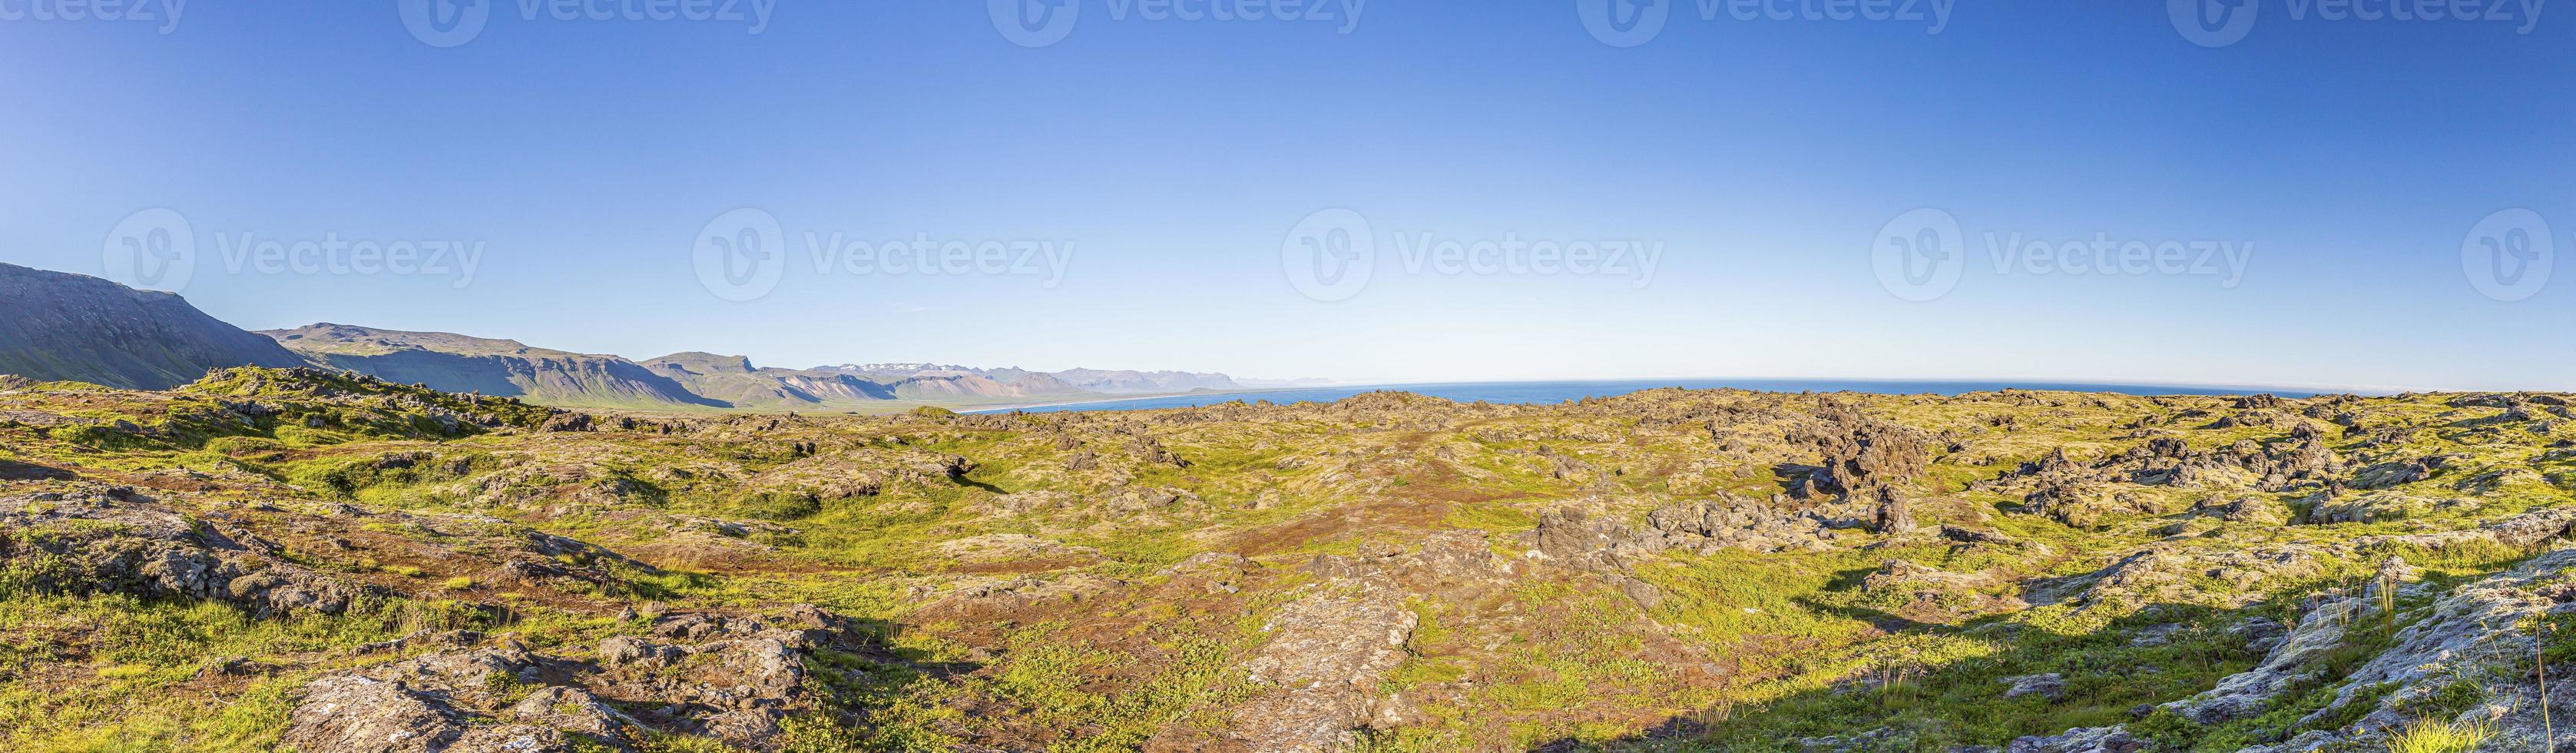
[(682, 381), (59, 326), (736, 381), (500, 368), (66, 327), (458, 363), (313, 561)]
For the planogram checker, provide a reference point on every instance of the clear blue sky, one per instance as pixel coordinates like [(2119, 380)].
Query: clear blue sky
[(1175, 157)]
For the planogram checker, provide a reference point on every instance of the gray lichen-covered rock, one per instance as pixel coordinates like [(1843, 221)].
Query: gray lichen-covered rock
[(1321, 668), (2477, 634), (2249, 693), (2090, 740), (2049, 686), (733, 679), (364, 715), (113, 539), (2474, 637)]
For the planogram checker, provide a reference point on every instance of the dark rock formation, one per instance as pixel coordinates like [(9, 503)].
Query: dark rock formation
[(1866, 460)]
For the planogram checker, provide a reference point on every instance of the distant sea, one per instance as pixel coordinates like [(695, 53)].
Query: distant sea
[(1558, 392)]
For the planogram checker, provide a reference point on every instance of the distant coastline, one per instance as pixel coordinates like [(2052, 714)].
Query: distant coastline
[(1070, 404), (1557, 391)]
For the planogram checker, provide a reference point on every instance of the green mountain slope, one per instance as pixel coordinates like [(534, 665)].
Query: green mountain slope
[(501, 368), (61, 326)]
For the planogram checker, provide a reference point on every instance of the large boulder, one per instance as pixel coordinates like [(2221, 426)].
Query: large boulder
[(731, 678)]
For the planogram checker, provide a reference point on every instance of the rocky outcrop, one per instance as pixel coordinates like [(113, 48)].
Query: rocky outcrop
[(2233, 577), (2465, 658), (96, 538), (2397, 472), (1316, 679), (2049, 687), (1586, 539), (730, 678), (357, 713), (1325, 657), (836, 476), (2089, 740), (2247, 509), (1866, 460), (2088, 506), (2089, 494), (2480, 634), (2289, 665), (1571, 537), (2382, 507), (1582, 539), (1737, 523)]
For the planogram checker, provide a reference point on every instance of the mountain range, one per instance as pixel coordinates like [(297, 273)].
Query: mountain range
[(73, 327)]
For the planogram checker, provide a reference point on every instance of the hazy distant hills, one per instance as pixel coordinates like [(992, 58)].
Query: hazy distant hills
[(66, 326), (736, 382), (1141, 382), (508, 368), (1077, 380), (55, 325), (458, 363)]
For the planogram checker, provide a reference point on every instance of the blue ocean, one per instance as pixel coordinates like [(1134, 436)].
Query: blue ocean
[(1562, 391)]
